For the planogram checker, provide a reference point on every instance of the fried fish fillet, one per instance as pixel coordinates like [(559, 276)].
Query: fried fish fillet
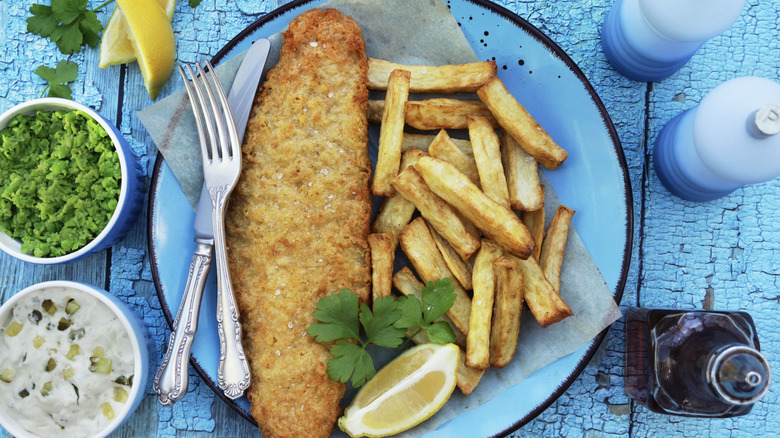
[(298, 220)]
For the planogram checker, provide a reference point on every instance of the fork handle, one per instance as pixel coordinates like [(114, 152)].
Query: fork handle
[(172, 378), (233, 371)]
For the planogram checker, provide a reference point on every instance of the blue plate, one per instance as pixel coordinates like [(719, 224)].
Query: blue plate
[(595, 175)]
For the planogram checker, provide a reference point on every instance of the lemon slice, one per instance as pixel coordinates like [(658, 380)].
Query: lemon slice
[(404, 393), (115, 45), (151, 35)]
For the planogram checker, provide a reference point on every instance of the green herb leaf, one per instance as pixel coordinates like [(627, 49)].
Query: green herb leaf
[(64, 73), (350, 361), (194, 3), (440, 333), (338, 316), (68, 23), (379, 323), (411, 312), (43, 20), (437, 298)]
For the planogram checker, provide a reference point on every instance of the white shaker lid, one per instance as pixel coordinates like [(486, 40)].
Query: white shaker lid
[(732, 130), (691, 20)]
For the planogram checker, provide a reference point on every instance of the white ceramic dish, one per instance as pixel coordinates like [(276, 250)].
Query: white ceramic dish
[(130, 324), (131, 191)]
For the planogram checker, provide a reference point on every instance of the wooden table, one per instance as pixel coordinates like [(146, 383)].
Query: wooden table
[(716, 255)]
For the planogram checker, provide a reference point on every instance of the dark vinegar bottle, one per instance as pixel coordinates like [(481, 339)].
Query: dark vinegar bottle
[(694, 363)]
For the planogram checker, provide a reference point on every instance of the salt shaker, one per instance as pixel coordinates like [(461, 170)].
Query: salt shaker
[(648, 40), (694, 363), (728, 140)]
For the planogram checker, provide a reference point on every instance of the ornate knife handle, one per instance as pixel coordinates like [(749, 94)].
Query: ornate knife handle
[(172, 378), (233, 370)]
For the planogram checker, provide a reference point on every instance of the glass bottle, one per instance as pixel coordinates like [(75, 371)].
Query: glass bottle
[(648, 40), (694, 363), (728, 140)]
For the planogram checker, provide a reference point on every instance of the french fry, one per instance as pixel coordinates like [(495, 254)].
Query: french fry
[(554, 243), (429, 79), (445, 149), (534, 221), (420, 249), (423, 142), (497, 222), (396, 211), (438, 213), (545, 304), (522, 176), (442, 113), (514, 118), (406, 283), (478, 339), (487, 155), (507, 307), (468, 378), (382, 255), (460, 268), (374, 111), (391, 133)]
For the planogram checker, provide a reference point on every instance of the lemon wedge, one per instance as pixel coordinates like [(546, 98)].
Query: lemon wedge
[(151, 36), (404, 393), (115, 45)]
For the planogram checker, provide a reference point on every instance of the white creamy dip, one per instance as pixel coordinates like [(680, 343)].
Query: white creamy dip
[(52, 388)]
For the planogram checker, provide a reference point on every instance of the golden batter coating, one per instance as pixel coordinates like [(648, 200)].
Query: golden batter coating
[(298, 220)]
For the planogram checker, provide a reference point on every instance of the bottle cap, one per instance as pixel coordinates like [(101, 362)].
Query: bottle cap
[(739, 374), (691, 20), (768, 119), (725, 127)]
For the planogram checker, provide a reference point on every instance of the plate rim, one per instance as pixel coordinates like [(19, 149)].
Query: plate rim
[(546, 41)]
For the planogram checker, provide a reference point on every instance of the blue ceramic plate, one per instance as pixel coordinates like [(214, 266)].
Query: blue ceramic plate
[(594, 176)]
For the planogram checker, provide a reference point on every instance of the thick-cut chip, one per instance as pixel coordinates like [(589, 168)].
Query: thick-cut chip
[(460, 268), (397, 211), (545, 304), (374, 111), (382, 256), (423, 143), (445, 149), (534, 221), (497, 222), (487, 155), (522, 176), (468, 378), (507, 307), (521, 125), (405, 281), (391, 134), (478, 340), (442, 113), (438, 213), (429, 79), (420, 249), (554, 243)]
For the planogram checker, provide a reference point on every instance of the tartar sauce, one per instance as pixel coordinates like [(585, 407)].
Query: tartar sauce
[(66, 364)]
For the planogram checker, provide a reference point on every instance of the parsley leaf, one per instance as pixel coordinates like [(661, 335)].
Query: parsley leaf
[(338, 316), (58, 77), (350, 361), (194, 3), (379, 323), (437, 298), (68, 23), (411, 312), (440, 333)]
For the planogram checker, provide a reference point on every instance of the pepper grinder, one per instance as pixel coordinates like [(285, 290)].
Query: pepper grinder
[(648, 40), (728, 140)]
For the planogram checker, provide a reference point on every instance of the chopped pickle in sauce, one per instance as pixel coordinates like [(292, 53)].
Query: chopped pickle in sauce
[(24, 393), (64, 324), (47, 387), (73, 352), (122, 380), (13, 329), (72, 307), (76, 334), (51, 364), (108, 411), (7, 375), (120, 395), (67, 373), (100, 365), (35, 316), (38, 341), (49, 307), (98, 352)]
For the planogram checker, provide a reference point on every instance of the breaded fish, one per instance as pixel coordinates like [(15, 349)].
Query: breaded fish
[(298, 220)]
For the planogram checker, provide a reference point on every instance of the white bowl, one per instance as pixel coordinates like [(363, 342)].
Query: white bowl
[(130, 196), (131, 325)]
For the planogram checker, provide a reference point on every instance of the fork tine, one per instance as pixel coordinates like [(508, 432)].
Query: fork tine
[(232, 131), (212, 143), (217, 115), (196, 110)]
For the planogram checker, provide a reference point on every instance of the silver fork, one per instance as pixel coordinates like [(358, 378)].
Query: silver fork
[(221, 152)]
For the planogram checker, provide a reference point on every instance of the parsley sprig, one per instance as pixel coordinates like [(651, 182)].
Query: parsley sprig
[(58, 78), (341, 315), (68, 23)]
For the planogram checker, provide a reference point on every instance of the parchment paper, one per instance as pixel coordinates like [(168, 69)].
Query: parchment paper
[(421, 32)]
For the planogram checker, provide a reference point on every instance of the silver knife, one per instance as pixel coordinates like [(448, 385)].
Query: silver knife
[(172, 379)]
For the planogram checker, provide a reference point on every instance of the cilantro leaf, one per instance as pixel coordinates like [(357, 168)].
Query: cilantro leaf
[(411, 312), (64, 73), (350, 361), (338, 316), (379, 323), (437, 298), (440, 333)]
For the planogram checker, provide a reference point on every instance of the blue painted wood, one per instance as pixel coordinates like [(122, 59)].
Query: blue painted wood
[(721, 254)]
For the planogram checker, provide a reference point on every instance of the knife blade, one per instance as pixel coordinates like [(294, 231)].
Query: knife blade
[(172, 379)]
